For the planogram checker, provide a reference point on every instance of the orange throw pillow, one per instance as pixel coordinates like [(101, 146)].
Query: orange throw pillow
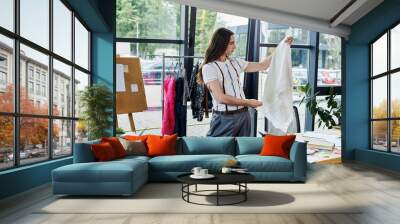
[(277, 145), (116, 145), (161, 145), (142, 138), (103, 152)]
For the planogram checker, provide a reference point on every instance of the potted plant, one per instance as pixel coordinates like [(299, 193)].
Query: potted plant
[(326, 115), (96, 103), (119, 131)]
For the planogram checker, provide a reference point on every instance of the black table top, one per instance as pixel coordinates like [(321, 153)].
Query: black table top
[(220, 178)]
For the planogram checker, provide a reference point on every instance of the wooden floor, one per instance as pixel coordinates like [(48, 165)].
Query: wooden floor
[(377, 188)]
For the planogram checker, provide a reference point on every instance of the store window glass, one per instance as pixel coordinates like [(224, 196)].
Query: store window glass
[(62, 89), (319, 125), (34, 21), (395, 95), (208, 21), (379, 56), (38, 102), (7, 14), (271, 33), (6, 142), (62, 138), (6, 74), (395, 136), (395, 47), (148, 19), (379, 98), (34, 144), (379, 135), (81, 82), (62, 29), (81, 45), (329, 61), (149, 121), (81, 131)]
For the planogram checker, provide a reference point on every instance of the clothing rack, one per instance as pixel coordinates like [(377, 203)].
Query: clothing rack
[(163, 75)]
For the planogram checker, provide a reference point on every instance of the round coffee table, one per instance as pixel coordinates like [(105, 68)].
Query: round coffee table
[(238, 179)]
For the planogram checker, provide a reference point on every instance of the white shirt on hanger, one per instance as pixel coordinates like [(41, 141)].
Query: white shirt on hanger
[(278, 87)]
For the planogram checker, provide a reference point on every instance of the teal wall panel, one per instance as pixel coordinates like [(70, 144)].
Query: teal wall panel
[(379, 159), (357, 99), (103, 64), (24, 178), (102, 58)]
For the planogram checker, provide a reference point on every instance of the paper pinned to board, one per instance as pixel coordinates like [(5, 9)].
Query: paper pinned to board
[(134, 88), (120, 78)]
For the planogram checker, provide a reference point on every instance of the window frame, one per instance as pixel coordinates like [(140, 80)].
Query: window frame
[(16, 114), (388, 74), (313, 52), (188, 24)]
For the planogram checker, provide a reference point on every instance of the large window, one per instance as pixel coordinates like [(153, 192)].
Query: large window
[(329, 61), (150, 54), (34, 25), (81, 45), (158, 19), (7, 14), (148, 29), (385, 97), (7, 74), (46, 80), (273, 33), (208, 21), (62, 43)]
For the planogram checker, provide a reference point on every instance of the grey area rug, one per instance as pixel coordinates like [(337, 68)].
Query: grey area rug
[(166, 198)]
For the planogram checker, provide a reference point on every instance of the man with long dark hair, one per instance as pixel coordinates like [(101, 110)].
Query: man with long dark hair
[(221, 75)]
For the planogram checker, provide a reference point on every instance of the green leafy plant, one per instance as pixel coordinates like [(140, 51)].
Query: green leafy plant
[(326, 115), (96, 104), (119, 130)]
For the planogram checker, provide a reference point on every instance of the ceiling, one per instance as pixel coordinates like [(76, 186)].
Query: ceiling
[(327, 16)]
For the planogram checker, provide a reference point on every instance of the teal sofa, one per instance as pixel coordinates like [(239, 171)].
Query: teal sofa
[(125, 176)]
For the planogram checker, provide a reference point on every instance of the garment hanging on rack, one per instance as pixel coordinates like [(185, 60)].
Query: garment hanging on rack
[(168, 120), (200, 97), (186, 91), (180, 109), (196, 96)]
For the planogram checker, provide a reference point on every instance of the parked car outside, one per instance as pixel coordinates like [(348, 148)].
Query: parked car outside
[(152, 71)]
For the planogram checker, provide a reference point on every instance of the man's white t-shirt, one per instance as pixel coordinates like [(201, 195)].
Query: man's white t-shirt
[(228, 74)]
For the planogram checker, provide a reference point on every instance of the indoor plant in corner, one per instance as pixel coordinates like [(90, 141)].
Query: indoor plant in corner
[(96, 104), (326, 115)]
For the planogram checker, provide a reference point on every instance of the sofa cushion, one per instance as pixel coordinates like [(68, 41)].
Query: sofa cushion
[(129, 159), (134, 147), (275, 145), (207, 145), (257, 163), (103, 152), (83, 152), (185, 163), (116, 145), (161, 145), (112, 171), (248, 145)]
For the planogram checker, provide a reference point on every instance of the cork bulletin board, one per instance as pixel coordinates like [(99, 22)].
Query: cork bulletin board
[(130, 91)]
